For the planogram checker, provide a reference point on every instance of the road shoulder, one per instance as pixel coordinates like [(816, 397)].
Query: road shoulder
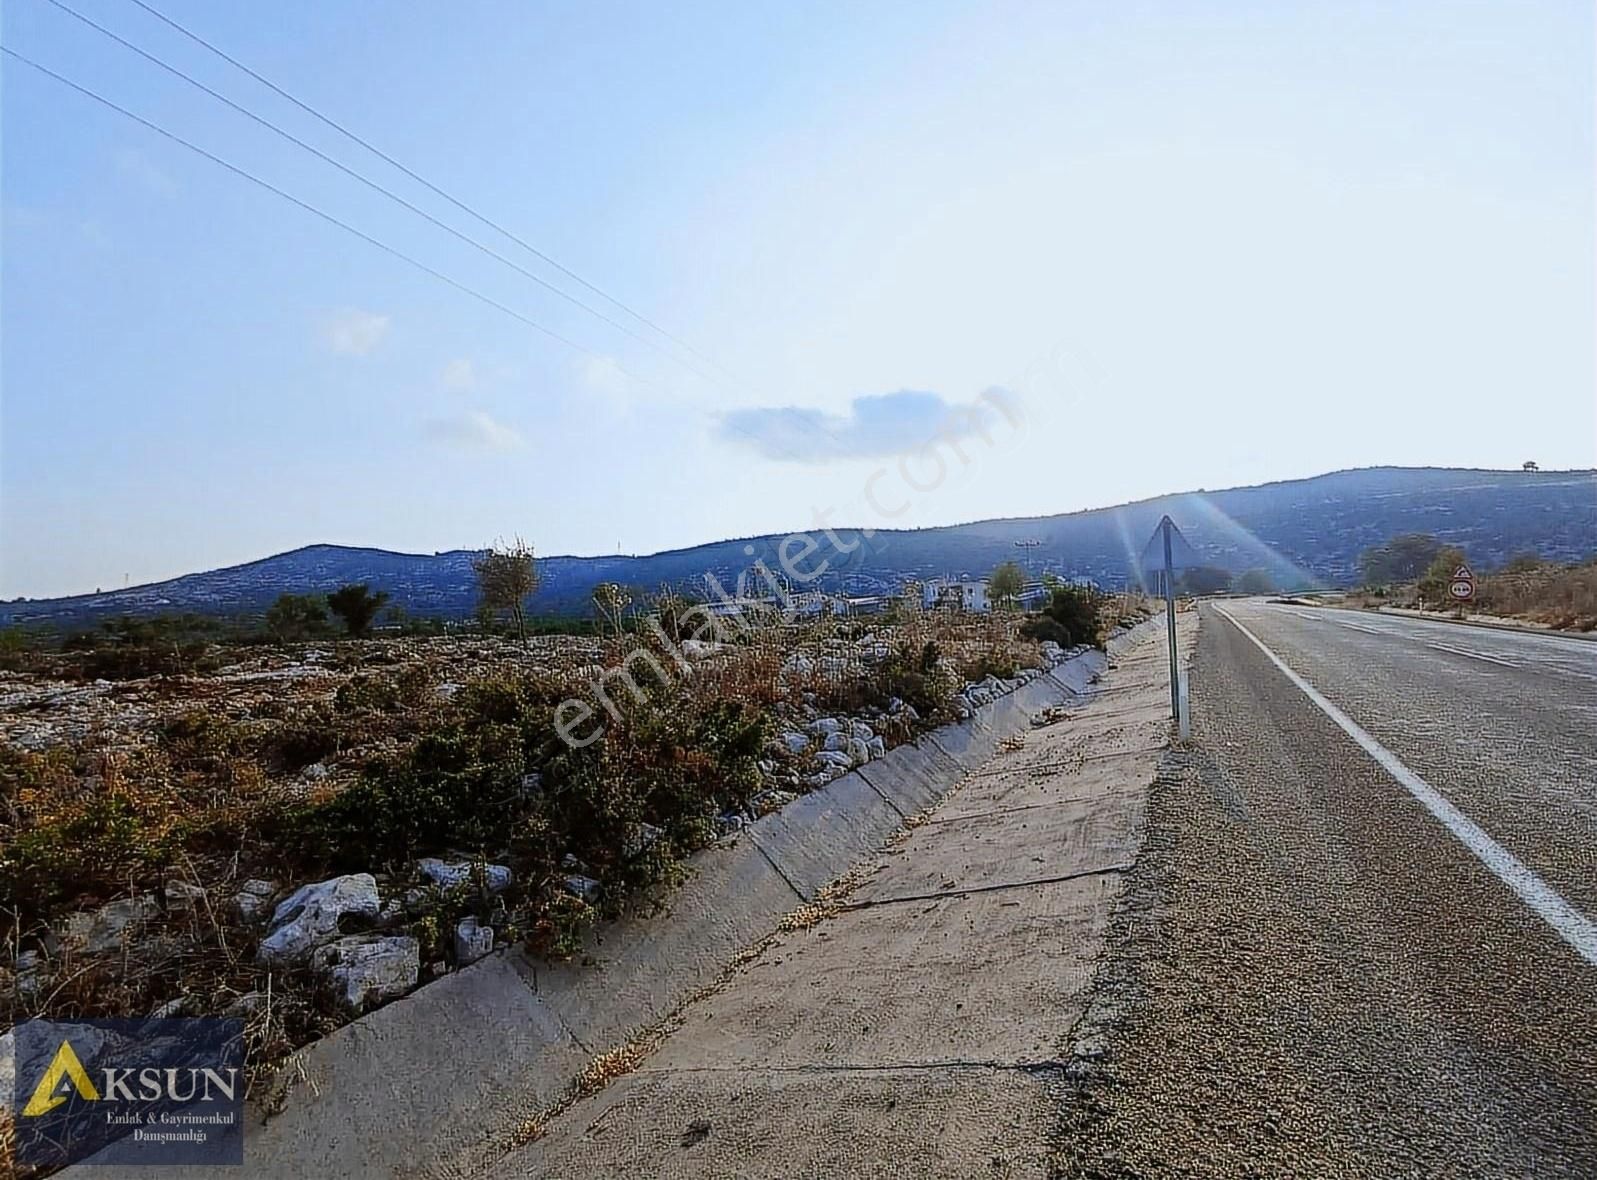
[(914, 1022)]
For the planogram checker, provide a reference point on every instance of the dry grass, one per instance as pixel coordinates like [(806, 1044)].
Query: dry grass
[(112, 791), (1564, 597)]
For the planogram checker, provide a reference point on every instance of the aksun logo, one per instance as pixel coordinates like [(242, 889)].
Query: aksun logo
[(64, 1067), (157, 1091), (153, 1084)]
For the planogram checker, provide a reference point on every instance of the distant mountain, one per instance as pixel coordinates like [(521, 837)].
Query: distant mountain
[(1305, 532)]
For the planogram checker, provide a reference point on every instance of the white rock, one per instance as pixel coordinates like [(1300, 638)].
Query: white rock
[(836, 740), (858, 752), (183, 896), (310, 915), (449, 874), (768, 801), (366, 970), (795, 742), (104, 929), (877, 747), (472, 941), (798, 665), (316, 771), (701, 649), (861, 730), (252, 898), (32, 975), (825, 725), (584, 887), (838, 758)]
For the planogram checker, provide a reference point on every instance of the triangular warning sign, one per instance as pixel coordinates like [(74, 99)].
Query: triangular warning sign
[(1463, 572)]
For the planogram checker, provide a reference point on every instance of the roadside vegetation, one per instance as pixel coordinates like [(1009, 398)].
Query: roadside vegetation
[(1414, 571), (165, 783)]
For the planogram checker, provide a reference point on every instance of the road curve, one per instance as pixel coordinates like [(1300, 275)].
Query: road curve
[(1320, 969)]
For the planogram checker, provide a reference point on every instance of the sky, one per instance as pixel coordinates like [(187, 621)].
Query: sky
[(919, 263)]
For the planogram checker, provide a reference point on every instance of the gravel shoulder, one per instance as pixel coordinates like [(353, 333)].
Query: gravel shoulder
[(1310, 976)]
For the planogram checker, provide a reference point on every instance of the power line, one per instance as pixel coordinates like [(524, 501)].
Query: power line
[(309, 208), (350, 229), (421, 180), (820, 427), (371, 184)]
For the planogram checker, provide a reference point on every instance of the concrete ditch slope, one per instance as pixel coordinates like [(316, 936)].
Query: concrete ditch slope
[(913, 1028)]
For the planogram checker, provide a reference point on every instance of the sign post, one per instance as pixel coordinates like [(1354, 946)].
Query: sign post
[(1461, 587), (1165, 525), (1167, 551)]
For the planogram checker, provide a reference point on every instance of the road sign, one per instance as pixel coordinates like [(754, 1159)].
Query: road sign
[(1462, 586), (1169, 549)]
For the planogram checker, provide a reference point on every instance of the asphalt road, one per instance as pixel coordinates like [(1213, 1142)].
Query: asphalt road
[(1352, 955)]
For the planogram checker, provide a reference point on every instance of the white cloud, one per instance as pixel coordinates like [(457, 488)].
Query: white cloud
[(353, 332), (459, 376), (473, 430), (142, 171), (876, 424)]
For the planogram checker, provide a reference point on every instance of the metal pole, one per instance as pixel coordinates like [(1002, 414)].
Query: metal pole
[(1170, 620)]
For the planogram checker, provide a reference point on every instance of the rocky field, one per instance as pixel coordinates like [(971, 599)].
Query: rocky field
[(302, 833)]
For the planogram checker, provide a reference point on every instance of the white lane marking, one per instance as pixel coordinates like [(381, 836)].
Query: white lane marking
[(1571, 925), (1474, 655), (1361, 627)]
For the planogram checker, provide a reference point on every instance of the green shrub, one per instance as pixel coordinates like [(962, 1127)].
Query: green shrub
[(1071, 617), (368, 693)]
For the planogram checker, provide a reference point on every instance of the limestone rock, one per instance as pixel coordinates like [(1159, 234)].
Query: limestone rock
[(448, 874), (311, 914), (584, 887), (183, 896), (105, 929), (252, 898), (366, 970), (472, 941)]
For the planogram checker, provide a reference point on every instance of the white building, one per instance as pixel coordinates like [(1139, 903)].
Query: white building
[(956, 594)]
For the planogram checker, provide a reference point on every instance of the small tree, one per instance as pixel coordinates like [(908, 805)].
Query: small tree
[(296, 617), (1071, 617), (611, 600), (1402, 559), (506, 578), (1439, 574), (357, 606), (1006, 584)]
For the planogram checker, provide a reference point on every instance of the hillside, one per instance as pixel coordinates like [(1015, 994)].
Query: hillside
[(1307, 531)]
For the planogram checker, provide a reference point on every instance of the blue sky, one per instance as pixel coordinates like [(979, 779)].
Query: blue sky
[(1197, 246)]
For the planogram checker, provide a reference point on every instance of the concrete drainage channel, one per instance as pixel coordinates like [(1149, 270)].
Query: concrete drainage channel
[(444, 1076)]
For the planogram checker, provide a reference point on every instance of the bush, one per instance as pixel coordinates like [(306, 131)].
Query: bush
[(356, 606), (1438, 576), (1071, 617), (919, 676), (297, 617)]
